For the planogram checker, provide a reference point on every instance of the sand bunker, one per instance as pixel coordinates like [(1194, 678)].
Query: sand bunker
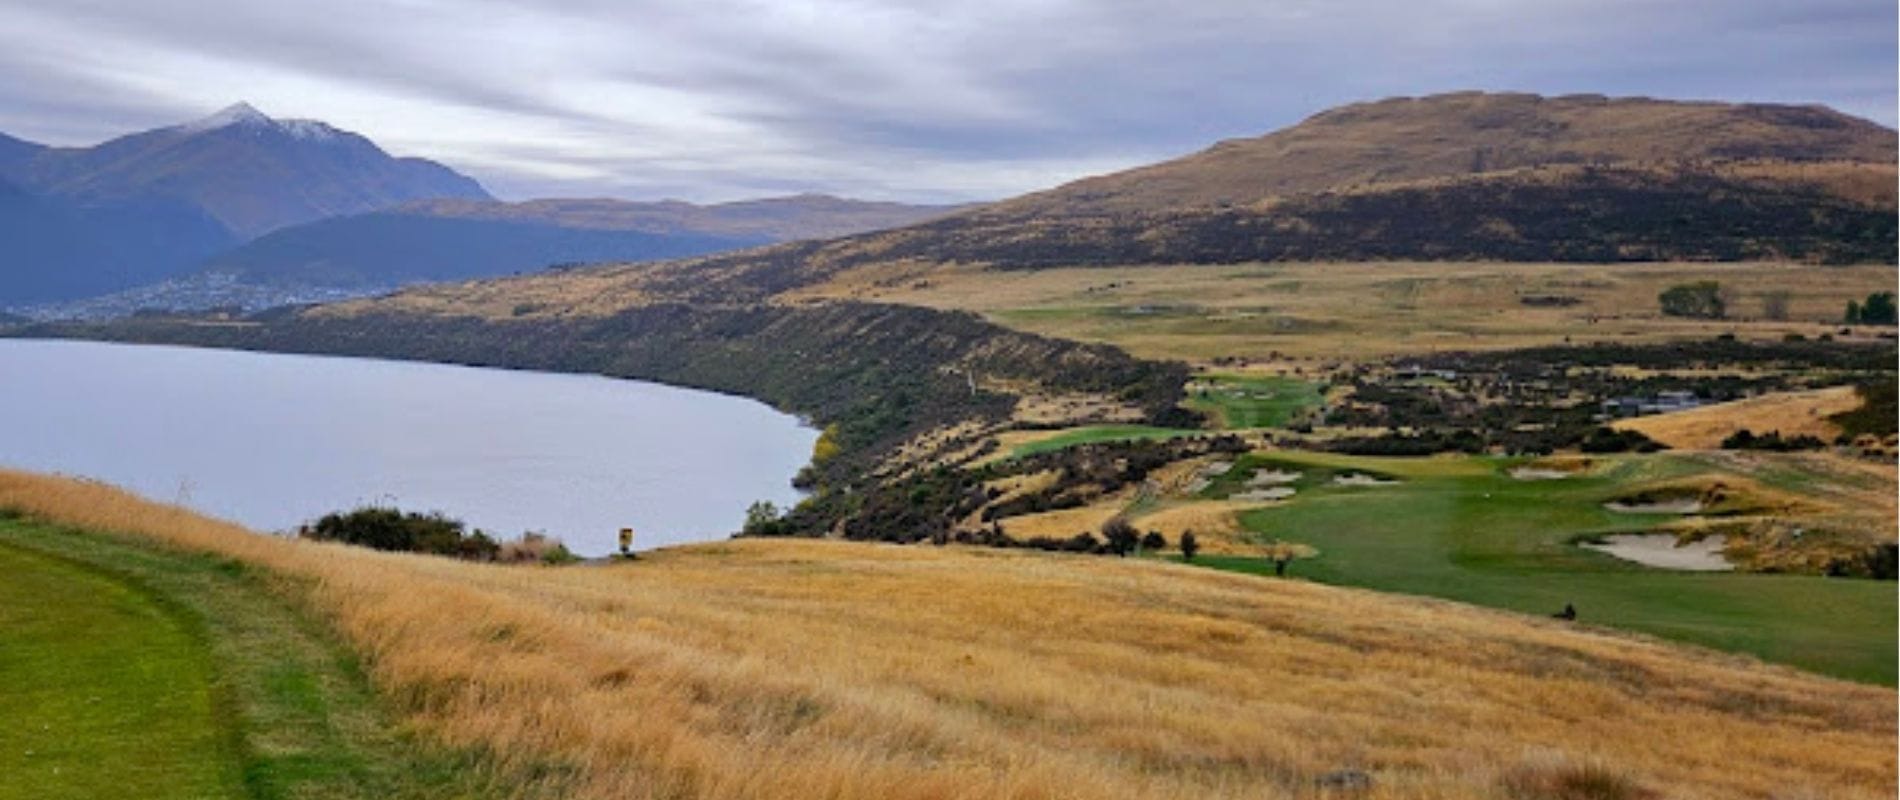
[(1358, 479), (1660, 550), (1538, 474), (1272, 493), (1273, 477)]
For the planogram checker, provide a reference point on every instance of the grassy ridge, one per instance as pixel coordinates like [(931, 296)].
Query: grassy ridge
[(1462, 529), (792, 669), (133, 670)]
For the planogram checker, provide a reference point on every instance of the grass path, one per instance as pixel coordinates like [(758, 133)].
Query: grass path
[(128, 670), (1460, 529), (104, 688)]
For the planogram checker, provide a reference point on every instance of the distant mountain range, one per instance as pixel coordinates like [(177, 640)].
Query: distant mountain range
[(455, 239), (147, 206), (241, 208)]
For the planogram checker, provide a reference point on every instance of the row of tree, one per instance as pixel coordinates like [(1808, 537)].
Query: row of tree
[(1709, 300)]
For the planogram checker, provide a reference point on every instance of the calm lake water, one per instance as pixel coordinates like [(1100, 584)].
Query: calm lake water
[(272, 441)]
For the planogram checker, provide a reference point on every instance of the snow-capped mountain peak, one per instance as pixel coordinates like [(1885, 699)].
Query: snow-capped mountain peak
[(238, 114)]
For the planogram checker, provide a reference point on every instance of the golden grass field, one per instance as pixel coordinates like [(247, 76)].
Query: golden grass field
[(1364, 310), (1790, 413), (805, 669)]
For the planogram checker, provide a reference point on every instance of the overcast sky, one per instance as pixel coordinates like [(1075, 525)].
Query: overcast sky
[(919, 100)]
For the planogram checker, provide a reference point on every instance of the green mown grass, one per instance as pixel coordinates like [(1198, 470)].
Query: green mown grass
[(1256, 402), (128, 670), (1462, 529), (1101, 433), (105, 690)]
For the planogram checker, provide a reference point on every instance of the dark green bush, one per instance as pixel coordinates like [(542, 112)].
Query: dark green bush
[(383, 528)]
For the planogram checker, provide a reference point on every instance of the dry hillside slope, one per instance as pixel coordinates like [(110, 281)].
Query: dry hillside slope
[(1409, 139), (797, 669)]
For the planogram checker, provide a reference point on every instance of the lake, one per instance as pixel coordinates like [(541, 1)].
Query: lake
[(273, 441)]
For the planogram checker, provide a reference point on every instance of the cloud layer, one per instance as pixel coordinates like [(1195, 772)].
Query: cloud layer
[(903, 99)]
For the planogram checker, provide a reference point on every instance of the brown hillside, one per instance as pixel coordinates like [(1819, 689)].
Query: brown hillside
[(1409, 139)]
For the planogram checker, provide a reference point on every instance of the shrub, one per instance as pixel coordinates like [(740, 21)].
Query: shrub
[(1698, 300), (1773, 441), (1878, 414), (1122, 536), (763, 519), (1611, 440), (1154, 541), (1879, 309), (535, 548), (1189, 545), (383, 528)]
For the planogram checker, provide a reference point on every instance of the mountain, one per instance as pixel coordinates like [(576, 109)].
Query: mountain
[(441, 240), (149, 206), (252, 173), (15, 154), (1467, 176), (1404, 140), (57, 249)]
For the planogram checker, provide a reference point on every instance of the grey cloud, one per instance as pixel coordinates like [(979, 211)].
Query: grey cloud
[(715, 99)]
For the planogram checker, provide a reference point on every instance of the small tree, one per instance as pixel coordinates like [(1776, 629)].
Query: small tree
[(1879, 310), (1774, 305), (763, 519), (1698, 300), (1189, 545), (1852, 317), (1122, 536), (1154, 541)]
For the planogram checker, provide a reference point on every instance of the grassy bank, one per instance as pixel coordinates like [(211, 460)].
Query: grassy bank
[(132, 670), (1463, 529), (783, 669)]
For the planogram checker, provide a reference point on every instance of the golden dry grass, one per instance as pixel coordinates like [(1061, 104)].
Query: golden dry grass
[(802, 669), (1363, 310), (1791, 413), (1215, 523), (1067, 522)]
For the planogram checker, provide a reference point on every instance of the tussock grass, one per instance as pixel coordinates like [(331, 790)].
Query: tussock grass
[(774, 669)]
